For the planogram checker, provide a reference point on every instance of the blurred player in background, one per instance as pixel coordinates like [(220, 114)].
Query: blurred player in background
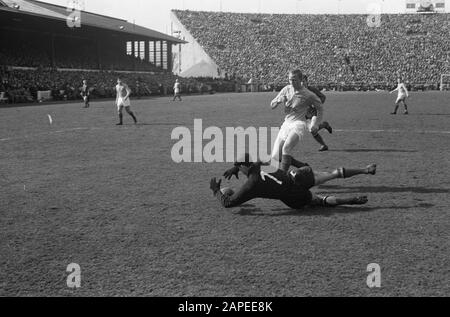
[(402, 96), (123, 93), (292, 188), (323, 125), (177, 90), (298, 102), (86, 93)]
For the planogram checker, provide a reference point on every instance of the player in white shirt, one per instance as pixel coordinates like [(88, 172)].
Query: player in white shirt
[(123, 93), (298, 102), (402, 96), (177, 90)]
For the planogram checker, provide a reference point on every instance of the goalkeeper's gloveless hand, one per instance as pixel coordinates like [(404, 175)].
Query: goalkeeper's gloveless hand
[(233, 171), (215, 185)]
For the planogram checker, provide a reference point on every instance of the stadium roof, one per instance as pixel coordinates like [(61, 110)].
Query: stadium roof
[(51, 11)]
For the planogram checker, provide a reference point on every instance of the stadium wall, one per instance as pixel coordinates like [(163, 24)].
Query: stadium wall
[(191, 60)]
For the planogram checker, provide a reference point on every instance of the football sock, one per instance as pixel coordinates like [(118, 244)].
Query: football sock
[(347, 172), (319, 139), (332, 201), (120, 118), (133, 116), (286, 162), (327, 126)]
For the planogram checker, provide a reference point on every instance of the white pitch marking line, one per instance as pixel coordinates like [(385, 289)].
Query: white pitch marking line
[(337, 130), (50, 119), (438, 132), (50, 133)]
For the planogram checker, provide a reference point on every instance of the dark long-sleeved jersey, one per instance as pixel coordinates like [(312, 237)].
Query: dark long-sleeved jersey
[(313, 112), (276, 185), (318, 93)]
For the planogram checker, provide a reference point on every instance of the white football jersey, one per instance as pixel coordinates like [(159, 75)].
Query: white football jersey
[(299, 103)]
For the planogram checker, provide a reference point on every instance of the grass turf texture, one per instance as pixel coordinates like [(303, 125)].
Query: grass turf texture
[(110, 199)]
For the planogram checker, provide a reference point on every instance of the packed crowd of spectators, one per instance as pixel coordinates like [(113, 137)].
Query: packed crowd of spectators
[(64, 85), (23, 85), (335, 50)]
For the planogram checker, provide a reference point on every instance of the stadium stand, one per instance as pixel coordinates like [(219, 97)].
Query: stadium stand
[(335, 50), (40, 52)]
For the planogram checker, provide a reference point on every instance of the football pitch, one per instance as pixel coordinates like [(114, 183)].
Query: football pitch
[(78, 189)]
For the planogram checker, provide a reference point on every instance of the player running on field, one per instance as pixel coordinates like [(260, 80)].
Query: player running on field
[(298, 102), (177, 90), (323, 125), (402, 96), (123, 93), (292, 188), (86, 93)]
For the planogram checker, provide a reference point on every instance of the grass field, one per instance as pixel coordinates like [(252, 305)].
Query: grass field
[(82, 190)]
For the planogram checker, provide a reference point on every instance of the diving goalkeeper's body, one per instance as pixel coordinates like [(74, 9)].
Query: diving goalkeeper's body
[(292, 188)]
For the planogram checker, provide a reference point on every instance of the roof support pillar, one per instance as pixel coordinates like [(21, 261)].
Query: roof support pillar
[(99, 61), (154, 51), (146, 51), (161, 53), (169, 57), (52, 50)]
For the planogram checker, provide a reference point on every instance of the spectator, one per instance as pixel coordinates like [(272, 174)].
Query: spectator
[(332, 49)]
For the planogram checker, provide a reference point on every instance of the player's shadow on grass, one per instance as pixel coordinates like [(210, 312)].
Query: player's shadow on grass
[(253, 211), (307, 212), (330, 211), (250, 210), (386, 189), (430, 114), (322, 211), (374, 150)]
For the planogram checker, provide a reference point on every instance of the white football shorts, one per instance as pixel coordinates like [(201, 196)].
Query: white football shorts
[(401, 98), (298, 127), (123, 103)]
